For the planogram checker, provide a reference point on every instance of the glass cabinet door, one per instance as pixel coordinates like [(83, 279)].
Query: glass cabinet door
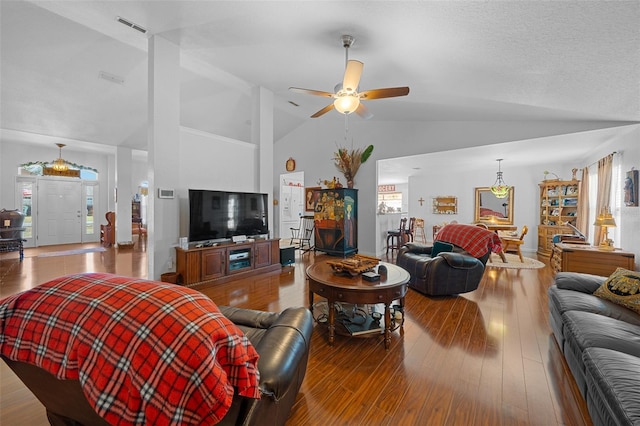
[(91, 206), (25, 188)]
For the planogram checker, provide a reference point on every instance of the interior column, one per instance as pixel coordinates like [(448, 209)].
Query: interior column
[(262, 135), (123, 188), (163, 154)]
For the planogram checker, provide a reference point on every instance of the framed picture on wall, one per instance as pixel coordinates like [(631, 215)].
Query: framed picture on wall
[(631, 189), (310, 201)]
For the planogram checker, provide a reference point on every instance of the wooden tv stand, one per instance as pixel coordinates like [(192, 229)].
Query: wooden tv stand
[(227, 261)]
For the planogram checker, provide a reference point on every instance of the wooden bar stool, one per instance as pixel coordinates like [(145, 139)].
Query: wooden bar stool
[(409, 232), (420, 236), (395, 237)]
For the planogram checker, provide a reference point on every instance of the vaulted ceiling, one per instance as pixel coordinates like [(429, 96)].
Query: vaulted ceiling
[(463, 60)]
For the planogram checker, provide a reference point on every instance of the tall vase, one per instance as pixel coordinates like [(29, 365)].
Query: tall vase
[(349, 183)]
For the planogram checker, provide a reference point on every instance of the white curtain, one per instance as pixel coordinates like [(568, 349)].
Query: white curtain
[(603, 197), (616, 199), (582, 223)]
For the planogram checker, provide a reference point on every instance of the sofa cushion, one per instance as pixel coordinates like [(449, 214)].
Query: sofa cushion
[(440, 247), (622, 287), (590, 330), (612, 383), (584, 283), (563, 301), (584, 330), (143, 351)]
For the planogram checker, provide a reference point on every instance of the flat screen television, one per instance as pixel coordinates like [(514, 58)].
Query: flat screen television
[(220, 215)]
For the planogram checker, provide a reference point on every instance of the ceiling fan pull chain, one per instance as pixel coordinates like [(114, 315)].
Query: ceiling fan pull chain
[(346, 127)]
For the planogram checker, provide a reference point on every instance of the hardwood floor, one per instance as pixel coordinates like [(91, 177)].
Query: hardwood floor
[(483, 358)]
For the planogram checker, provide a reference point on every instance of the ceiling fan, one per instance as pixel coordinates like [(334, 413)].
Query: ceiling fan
[(346, 96)]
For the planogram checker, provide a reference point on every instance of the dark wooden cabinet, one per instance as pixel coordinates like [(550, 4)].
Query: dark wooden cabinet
[(135, 210), (589, 260), (336, 221), (226, 261), (263, 255), (213, 263)]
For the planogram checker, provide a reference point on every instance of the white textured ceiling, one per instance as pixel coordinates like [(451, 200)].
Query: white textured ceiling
[(463, 60)]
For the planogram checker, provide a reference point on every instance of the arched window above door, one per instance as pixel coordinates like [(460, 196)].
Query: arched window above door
[(37, 168)]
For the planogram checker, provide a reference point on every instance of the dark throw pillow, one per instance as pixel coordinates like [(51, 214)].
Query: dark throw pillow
[(439, 247), (623, 288)]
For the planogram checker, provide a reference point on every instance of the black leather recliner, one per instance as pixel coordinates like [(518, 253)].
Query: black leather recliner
[(281, 339), (454, 272), (448, 273)]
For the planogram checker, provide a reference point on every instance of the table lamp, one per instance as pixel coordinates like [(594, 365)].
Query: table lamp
[(605, 220)]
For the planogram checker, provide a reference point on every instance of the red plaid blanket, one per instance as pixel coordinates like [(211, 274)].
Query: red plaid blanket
[(473, 239), (144, 352)]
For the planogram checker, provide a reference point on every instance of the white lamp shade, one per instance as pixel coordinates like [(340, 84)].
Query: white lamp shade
[(346, 104)]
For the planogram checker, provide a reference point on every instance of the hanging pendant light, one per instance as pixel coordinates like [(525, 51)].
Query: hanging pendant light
[(60, 165), (499, 188)]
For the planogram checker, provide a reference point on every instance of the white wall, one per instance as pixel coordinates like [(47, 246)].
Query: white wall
[(214, 162), (461, 183), (312, 146), (13, 153), (206, 161)]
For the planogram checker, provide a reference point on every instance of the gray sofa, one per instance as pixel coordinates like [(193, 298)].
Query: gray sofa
[(600, 341)]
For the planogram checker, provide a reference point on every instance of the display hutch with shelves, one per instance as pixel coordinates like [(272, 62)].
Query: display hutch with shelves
[(445, 204), (558, 206)]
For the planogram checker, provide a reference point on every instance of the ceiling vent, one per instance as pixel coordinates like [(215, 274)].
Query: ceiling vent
[(111, 77), (131, 24)]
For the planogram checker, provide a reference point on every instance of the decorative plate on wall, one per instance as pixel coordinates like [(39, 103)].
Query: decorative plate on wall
[(291, 164)]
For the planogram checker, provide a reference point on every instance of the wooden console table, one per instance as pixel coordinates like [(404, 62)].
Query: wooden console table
[(588, 259)]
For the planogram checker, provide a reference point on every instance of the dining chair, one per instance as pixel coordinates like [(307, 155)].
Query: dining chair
[(514, 244)]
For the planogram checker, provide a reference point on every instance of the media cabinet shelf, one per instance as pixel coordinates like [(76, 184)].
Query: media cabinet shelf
[(227, 261)]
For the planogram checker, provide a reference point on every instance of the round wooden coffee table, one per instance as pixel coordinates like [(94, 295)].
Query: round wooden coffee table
[(340, 288)]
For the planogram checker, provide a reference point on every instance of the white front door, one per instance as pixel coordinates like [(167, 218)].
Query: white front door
[(59, 212)]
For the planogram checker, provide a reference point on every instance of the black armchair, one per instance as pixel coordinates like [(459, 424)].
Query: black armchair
[(445, 274), (453, 272)]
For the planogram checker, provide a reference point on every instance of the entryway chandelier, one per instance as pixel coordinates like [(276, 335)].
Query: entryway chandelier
[(499, 188), (60, 165)]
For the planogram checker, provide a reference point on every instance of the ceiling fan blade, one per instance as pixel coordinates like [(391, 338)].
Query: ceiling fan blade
[(363, 111), (352, 75), (311, 92), (323, 111), (389, 92)]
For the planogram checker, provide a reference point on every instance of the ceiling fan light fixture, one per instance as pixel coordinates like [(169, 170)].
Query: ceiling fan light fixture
[(347, 95), (346, 103)]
